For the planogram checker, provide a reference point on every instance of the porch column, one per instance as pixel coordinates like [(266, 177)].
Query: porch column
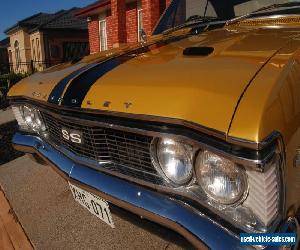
[(94, 35), (118, 29), (150, 15)]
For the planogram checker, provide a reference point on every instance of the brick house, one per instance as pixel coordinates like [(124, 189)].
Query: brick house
[(43, 40), (114, 22)]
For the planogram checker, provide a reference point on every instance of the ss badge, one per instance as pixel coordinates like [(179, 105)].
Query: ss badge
[(72, 135)]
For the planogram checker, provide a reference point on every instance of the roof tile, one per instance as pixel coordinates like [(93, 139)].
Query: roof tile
[(63, 19)]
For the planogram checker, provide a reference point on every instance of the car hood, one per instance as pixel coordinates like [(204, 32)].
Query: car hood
[(163, 82)]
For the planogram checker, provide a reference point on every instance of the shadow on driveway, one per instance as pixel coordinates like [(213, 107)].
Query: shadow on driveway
[(7, 153)]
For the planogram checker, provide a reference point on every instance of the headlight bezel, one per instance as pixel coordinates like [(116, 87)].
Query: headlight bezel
[(36, 123), (192, 191), (244, 189), (159, 168), (196, 150)]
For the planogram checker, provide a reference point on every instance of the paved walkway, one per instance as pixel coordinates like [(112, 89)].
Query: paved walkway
[(52, 219), (6, 116), (12, 235)]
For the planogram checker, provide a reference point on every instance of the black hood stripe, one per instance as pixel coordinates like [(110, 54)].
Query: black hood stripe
[(81, 80), (80, 86), (58, 90)]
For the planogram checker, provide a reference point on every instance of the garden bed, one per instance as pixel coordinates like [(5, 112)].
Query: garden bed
[(7, 152)]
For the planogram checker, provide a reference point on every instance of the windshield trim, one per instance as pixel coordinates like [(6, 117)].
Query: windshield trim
[(264, 17), (190, 25), (265, 10)]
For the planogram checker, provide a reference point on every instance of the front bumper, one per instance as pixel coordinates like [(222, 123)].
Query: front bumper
[(202, 232)]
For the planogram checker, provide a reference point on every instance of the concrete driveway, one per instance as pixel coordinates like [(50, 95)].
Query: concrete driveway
[(53, 220)]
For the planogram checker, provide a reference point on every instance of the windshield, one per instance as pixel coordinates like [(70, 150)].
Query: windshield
[(183, 12)]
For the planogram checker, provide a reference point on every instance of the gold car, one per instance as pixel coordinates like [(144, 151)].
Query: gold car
[(196, 129)]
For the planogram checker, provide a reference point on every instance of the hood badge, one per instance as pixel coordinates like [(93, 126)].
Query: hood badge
[(38, 94), (107, 104), (127, 105)]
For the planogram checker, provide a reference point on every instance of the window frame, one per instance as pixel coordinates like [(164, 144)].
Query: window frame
[(140, 24), (102, 20), (38, 51), (17, 54)]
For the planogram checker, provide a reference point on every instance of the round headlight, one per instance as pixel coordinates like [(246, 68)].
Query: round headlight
[(222, 180), (28, 116), (174, 160), (38, 124), (33, 119)]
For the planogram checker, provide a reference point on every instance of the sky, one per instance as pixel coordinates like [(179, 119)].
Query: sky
[(12, 11)]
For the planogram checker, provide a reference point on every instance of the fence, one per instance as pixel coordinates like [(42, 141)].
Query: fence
[(27, 67)]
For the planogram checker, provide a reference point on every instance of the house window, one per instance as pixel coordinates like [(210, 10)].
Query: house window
[(17, 55), (73, 51), (33, 50), (140, 20), (38, 49), (10, 60), (103, 35), (54, 51)]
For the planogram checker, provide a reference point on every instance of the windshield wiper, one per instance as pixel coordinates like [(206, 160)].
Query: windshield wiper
[(263, 9), (197, 18), (192, 20)]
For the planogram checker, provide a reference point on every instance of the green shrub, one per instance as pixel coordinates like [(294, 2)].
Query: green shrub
[(7, 81), (11, 79)]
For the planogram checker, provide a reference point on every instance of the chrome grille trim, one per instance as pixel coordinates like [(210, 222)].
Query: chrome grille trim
[(123, 152), (254, 155), (264, 194)]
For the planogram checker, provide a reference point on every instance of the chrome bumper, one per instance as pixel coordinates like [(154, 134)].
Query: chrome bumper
[(202, 232)]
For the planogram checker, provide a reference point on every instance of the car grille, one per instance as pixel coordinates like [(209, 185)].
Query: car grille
[(123, 152)]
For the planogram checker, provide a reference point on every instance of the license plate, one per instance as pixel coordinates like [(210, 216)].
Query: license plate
[(93, 203)]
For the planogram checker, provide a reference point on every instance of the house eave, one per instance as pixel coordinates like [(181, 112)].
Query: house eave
[(92, 9), (12, 29), (84, 30)]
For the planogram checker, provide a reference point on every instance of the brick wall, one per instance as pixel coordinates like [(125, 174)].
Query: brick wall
[(109, 31), (131, 23), (122, 22), (118, 24), (94, 38), (151, 13)]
